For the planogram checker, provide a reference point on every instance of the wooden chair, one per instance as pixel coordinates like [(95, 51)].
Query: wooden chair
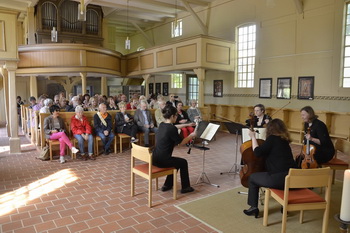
[(301, 198), (122, 136), (98, 139), (51, 144), (338, 164), (140, 136), (148, 171)]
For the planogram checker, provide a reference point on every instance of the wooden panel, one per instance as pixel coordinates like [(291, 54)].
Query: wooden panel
[(218, 54), (102, 61), (147, 61), (133, 64), (165, 58), (186, 54), (49, 58), (2, 36)]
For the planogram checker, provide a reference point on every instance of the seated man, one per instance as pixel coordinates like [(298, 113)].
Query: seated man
[(103, 127), (144, 121)]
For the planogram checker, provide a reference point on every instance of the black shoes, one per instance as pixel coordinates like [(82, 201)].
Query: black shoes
[(252, 211), (107, 152), (165, 188), (187, 190)]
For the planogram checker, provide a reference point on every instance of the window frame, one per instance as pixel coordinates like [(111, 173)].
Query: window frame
[(176, 29), (189, 85), (345, 47), (176, 84)]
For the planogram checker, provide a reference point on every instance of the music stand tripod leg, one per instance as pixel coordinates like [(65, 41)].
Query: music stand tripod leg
[(235, 165), (203, 178)]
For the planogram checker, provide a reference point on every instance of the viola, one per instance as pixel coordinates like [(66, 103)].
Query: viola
[(308, 153), (251, 163)]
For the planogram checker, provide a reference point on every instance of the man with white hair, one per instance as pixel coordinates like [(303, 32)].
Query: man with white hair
[(75, 103), (143, 119), (103, 127)]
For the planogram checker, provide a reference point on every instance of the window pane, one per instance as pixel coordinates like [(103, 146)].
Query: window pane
[(346, 82)]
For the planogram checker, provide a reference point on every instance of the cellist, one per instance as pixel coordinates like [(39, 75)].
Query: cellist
[(260, 119), (318, 136), (278, 159)]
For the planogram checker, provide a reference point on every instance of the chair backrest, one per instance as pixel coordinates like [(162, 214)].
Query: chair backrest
[(343, 146), (141, 153), (306, 178)]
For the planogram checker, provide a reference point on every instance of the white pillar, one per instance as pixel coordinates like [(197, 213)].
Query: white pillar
[(15, 146), (200, 72), (33, 86), (83, 83), (6, 99), (31, 26), (146, 78), (103, 86)]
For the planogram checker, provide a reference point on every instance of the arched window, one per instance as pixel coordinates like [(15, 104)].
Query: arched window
[(91, 22), (69, 17), (48, 15)]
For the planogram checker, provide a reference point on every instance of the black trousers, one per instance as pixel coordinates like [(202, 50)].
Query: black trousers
[(130, 130), (264, 179), (178, 163)]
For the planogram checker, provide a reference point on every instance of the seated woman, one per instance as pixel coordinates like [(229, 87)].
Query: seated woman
[(54, 129), (182, 118), (260, 118), (278, 160), (47, 104), (318, 136), (124, 123), (82, 131), (93, 104), (111, 104), (167, 137), (194, 114)]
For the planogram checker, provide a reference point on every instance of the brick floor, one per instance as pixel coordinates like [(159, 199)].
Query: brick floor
[(94, 196)]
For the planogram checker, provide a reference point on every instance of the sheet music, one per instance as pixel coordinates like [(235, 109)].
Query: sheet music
[(260, 135), (210, 131)]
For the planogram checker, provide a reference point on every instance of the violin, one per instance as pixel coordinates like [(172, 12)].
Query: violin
[(308, 153), (251, 163)]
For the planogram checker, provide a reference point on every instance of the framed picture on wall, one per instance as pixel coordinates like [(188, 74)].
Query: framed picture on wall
[(165, 89), (114, 90), (306, 88), (150, 88), (158, 88), (218, 88), (284, 88), (265, 88)]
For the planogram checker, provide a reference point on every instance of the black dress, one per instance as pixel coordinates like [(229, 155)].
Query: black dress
[(325, 151), (167, 137), (278, 160)]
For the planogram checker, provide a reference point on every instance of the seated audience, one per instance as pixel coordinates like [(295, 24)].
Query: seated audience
[(56, 100), (63, 103), (82, 131), (93, 104), (111, 104), (86, 101), (103, 127), (54, 129), (47, 104), (182, 118), (194, 114), (173, 100), (124, 123), (144, 121), (75, 103), (133, 104)]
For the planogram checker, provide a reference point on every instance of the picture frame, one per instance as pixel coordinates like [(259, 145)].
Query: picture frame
[(150, 88), (158, 89), (165, 89), (306, 87), (284, 88), (265, 88), (218, 88)]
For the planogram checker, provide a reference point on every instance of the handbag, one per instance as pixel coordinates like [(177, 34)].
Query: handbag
[(44, 154)]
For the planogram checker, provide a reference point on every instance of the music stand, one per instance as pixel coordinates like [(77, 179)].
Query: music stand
[(206, 131), (234, 128)]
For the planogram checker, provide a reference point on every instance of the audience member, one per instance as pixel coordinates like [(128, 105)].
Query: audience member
[(173, 100), (93, 105), (133, 104), (182, 118), (124, 123), (75, 102), (47, 104), (103, 127), (143, 119), (111, 104), (194, 114)]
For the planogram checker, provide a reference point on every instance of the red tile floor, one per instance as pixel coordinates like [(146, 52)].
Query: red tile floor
[(94, 196)]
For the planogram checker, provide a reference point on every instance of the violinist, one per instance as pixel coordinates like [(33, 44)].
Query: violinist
[(318, 135), (278, 159), (260, 119)]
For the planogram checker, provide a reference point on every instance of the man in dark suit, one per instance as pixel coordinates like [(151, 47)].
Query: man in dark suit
[(144, 121)]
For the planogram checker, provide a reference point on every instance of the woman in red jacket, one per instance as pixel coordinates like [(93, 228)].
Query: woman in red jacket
[(182, 118), (82, 131)]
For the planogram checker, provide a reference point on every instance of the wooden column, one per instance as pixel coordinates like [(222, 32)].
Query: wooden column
[(103, 86), (33, 86), (15, 146), (146, 78), (31, 26), (6, 99), (83, 83), (200, 72)]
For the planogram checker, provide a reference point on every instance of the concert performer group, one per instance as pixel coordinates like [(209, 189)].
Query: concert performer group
[(278, 154)]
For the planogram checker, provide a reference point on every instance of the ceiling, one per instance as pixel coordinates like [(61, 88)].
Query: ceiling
[(128, 16)]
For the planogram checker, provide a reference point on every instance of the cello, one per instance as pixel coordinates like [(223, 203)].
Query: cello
[(251, 163), (308, 153)]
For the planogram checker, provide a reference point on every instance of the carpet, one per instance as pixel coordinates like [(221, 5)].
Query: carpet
[(224, 212)]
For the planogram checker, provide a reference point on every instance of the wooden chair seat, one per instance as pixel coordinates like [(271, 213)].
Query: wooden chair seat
[(98, 139), (52, 143), (121, 137), (149, 171), (299, 196)]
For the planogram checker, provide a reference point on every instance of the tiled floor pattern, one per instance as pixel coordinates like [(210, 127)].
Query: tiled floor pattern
[(94, 196)]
